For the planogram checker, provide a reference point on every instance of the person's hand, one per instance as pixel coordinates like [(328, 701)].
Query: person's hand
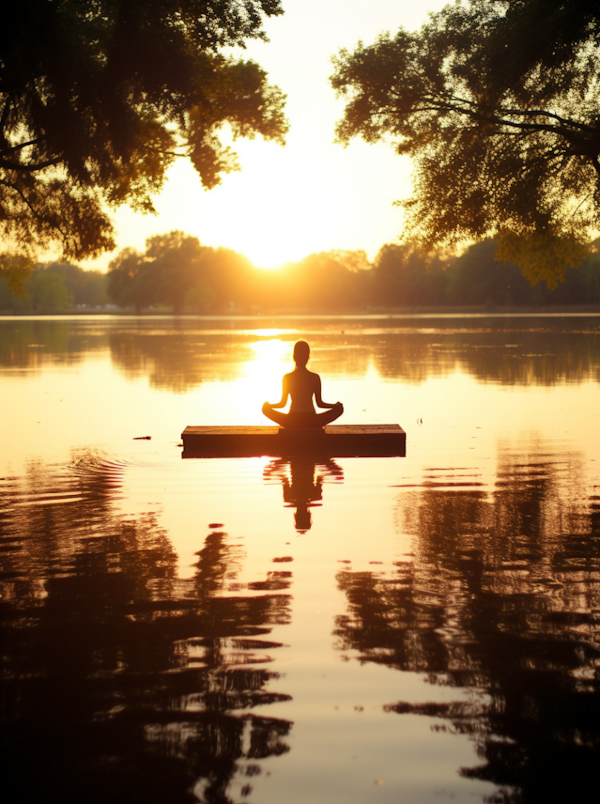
[(267, 406)]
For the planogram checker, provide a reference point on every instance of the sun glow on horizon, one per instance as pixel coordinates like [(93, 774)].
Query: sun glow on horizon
[(274, 212), (270, 212), (312, 195)]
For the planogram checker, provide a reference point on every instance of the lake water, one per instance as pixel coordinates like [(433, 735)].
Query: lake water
[(415, 629)]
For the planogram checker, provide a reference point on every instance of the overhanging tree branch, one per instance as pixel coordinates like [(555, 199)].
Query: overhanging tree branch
[(505, 143), (106, 95), (31, 168)]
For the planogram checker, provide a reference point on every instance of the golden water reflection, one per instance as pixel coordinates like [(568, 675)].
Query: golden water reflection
[(180, 355), (436, 628)]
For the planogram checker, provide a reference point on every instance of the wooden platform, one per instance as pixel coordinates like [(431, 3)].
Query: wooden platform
[(334, 441)]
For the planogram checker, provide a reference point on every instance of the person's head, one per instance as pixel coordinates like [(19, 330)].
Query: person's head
[(301, 353)]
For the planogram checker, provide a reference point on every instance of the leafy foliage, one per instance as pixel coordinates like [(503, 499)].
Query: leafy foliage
[(497, 102), (15, 268), (98, 98), (88, 288), (403, 276), (48, 292)]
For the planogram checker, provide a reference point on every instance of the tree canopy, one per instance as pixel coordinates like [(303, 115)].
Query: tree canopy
[(178, 271), (498, 104), (98, 97)]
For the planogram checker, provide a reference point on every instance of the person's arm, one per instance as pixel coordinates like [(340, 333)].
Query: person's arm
[(285, 392), (318, 399)]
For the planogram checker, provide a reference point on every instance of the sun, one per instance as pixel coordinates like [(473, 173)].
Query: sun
[(271, 254), (280, 214)]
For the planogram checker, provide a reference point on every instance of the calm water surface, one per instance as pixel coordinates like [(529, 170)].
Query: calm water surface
[(415, 629)]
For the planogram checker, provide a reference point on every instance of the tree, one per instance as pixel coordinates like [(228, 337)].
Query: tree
[(232, 278), (200, 298), (352, 260), (98, 99), (323, 282), (128, 281), (177, 270), (175, 262), (477, 278), (497, 102), (48, 292), (15, 268), (403, 276), (88, 288)]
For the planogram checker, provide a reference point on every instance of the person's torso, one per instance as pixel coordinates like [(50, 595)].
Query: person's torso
[(302, 385)]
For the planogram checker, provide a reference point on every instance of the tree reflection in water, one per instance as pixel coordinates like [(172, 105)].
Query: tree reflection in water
[(180, 354), (122, 682), (302, 480), (501, 598)]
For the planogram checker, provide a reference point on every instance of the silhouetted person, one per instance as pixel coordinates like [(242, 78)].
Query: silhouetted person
[(302, 385)]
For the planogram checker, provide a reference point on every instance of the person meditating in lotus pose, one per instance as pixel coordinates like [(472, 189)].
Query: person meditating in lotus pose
[(302, 385)]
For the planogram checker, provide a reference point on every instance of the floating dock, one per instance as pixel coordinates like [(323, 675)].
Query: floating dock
[(333, 441)]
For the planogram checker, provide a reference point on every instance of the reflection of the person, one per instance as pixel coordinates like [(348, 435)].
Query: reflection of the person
[(302, 480)]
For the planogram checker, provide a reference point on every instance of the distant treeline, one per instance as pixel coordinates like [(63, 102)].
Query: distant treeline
[(178, 274), (55, 288)]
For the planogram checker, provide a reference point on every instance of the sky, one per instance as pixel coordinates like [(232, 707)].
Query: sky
[(312, 195)]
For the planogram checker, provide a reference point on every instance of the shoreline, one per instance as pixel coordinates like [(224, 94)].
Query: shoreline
[(373, 312)]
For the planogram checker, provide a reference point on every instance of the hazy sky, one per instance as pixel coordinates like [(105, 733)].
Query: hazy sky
[(311, 195)]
